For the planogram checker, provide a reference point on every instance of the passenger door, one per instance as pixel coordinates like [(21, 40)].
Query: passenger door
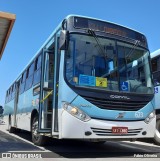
[(48, 118)]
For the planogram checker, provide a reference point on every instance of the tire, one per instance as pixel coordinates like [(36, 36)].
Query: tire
[(37, 139), (10, 128), (157, 132)]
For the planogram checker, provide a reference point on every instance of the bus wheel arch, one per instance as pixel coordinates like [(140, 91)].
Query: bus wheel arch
[(37, 138)]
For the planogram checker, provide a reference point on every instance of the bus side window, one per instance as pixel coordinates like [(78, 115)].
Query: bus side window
[(156, 70), (29, 77), (20, 80), (13, 90), (22, 84), (37, 70), (9, 95), (6, 100), (154, 64)]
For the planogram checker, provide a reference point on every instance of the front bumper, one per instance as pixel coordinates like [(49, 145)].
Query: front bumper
[(73, 128)]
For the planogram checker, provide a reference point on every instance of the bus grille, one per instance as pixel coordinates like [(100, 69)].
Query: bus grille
[(116, 104), (108, 132)]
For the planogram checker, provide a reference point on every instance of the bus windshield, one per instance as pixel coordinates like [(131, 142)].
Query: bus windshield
[(109, 65)]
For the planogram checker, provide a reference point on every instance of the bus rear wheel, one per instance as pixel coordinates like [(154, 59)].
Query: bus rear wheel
[(157, 132), (37, 139)]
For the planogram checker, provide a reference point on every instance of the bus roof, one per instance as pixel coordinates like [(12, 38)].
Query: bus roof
[(155, 53)]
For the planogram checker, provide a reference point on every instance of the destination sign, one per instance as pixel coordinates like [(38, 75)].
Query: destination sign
[(109, 28), (106, 28)]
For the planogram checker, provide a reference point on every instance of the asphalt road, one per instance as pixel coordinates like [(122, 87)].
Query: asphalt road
[(21, 142)]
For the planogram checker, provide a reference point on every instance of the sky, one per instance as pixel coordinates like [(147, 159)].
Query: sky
[(36, 19)]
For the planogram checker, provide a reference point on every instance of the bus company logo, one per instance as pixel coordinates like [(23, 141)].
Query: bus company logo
[(85, 105), (119, 97), (120, 115)]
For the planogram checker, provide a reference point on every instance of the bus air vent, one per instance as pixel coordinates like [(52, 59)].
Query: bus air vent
[(120, 105)]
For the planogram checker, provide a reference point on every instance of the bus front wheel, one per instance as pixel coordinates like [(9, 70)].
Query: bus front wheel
[(157, 132), (37, 139)]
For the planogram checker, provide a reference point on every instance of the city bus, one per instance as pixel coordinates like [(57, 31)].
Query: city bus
[(155, 62), (90, 80)]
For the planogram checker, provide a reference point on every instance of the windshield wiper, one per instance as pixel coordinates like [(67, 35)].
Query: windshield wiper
[(137, 42), (90, 31)]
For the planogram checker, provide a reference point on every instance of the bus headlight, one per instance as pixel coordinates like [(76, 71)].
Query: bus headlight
[(150, 117), (76, 112)]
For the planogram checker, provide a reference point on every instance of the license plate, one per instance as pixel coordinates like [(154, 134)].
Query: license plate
[(120, 130)]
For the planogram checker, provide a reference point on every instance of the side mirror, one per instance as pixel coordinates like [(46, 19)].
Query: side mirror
[(63, 40)]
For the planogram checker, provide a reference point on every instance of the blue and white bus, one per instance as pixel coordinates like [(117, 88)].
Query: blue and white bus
[(90, 80), (155, 61)]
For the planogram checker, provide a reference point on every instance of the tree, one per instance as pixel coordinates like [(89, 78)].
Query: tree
[(1, 110)]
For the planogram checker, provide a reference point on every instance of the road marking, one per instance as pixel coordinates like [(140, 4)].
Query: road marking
[(143, 143)]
